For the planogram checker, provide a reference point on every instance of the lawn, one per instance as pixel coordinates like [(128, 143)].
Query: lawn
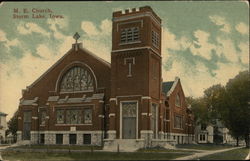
[(71, 147), (236, 154), (10, 155), (153, 150), (204, 146)]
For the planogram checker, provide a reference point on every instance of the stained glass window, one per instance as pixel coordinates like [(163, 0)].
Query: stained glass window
[(129, 109), (77, 79), (43, 117), (87, 115), (73, 117), (60, 116)]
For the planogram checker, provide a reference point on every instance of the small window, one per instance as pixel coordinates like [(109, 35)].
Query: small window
[(178, 100), (41, 138), (155, 39), (203, 126), (86, 138), (174, 137), (130, 35), (59, 138), (72, 138)]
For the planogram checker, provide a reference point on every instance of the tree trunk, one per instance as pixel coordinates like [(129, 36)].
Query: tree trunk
[(237, 141), (247, 140)]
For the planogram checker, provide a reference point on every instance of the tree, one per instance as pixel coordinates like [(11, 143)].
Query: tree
[(12, 125), (237, 115), (229, 104)]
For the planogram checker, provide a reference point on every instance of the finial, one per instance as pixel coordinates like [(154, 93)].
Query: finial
[(76, 36)]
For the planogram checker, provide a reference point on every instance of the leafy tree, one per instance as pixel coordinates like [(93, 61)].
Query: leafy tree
[(237, 115), (229, 104), (12, 125)]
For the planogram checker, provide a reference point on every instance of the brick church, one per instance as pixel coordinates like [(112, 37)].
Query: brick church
[(84, 100)]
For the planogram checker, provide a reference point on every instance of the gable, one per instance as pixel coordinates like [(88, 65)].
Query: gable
[(47, 82)]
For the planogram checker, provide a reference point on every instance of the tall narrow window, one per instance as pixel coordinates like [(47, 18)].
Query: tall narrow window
[(60, 116), (87, 115), (155, 39), (178, 122), (178, 100), (129, 35), (43, 117)]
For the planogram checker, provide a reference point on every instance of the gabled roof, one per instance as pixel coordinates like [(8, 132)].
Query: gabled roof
[(3, 114), (79, 45), (168, 87)]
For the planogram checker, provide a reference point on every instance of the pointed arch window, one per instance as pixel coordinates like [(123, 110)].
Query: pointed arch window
[(77, 79), (178, 100)]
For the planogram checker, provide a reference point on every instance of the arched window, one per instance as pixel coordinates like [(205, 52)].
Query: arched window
[(178, 101), (77, 79)]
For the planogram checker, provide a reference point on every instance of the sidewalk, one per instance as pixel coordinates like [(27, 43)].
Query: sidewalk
[(204, 153)]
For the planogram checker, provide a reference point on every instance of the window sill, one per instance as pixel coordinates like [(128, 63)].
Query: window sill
[(128, 43), (178, 128), (73, 124)]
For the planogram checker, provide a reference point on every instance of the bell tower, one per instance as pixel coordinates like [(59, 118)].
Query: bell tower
[(135, 72)]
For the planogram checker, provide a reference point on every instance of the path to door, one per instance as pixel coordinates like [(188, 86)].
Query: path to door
[(204, 153)]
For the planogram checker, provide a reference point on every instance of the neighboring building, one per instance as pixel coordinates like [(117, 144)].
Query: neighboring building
[(214, 133), (179, 122), (83, 99), (3, 126), (204, 133)]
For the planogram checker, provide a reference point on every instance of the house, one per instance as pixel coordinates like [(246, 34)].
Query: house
[(84, 100), (3, 126)]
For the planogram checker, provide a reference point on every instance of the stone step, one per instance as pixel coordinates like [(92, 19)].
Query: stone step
[(123, 145), (24, 142)]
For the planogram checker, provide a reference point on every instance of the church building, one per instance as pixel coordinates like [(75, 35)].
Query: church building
[(85, 100)]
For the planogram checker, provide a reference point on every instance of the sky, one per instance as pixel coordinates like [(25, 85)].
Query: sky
[(203, 43)]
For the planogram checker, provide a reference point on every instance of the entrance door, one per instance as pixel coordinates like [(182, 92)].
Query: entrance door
[(129, 114), (26, 125), (154, 119)]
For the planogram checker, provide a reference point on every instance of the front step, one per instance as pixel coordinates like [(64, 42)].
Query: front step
[(24, 142), (123, 145)]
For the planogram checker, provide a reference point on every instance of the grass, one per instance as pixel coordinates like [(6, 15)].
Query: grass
[(159, 149), (10, 155), (236, 154), (204, 146), (72, 147)]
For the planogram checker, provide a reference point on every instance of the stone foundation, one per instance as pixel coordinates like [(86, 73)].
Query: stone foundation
[(147, 136), (50, 137), (34, 137), (19, 136)]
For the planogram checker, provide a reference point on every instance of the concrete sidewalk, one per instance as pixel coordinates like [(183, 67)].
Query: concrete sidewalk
[(204, 153)]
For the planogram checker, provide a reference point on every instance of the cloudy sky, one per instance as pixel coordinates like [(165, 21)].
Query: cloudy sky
[(203, 43)]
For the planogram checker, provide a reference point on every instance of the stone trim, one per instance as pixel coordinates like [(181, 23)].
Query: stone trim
[(101, 116), (147, 131), (146, 97), (112, 114)]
